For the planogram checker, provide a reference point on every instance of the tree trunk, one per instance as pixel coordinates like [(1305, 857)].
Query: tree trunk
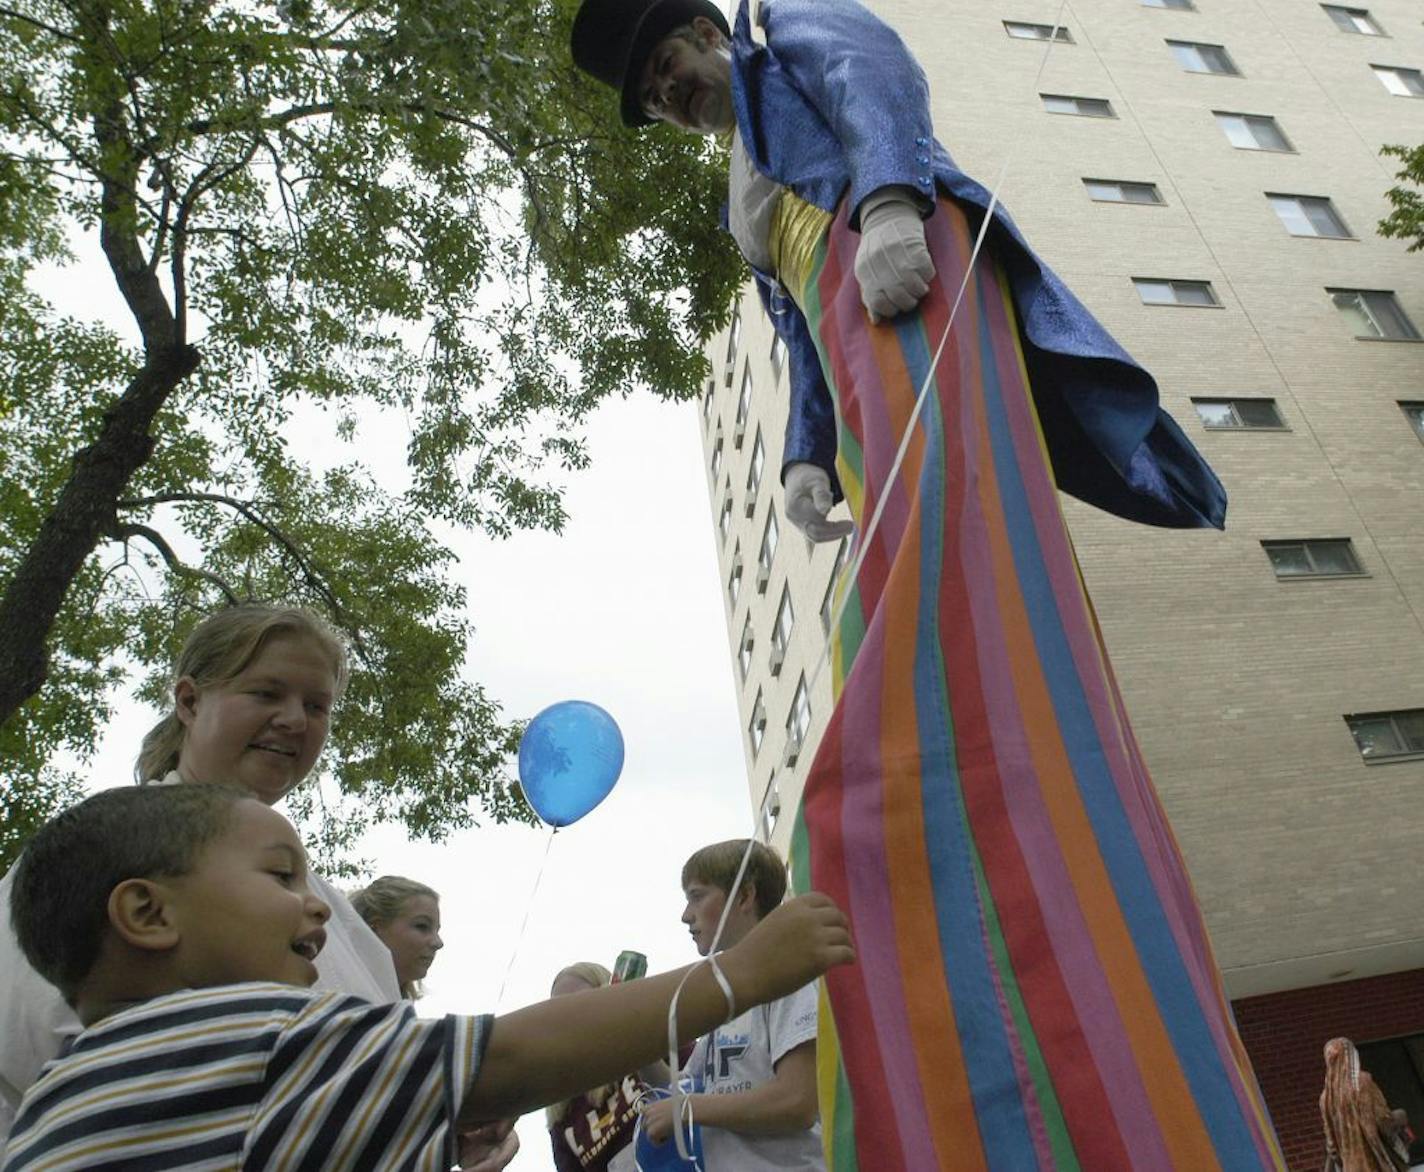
[(85, 508)]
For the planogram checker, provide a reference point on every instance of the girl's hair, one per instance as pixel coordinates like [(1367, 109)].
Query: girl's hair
[(381, 901), (219, 649), (595, 976)]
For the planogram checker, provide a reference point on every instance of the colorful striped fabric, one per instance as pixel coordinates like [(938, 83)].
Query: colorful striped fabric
[(1035, 988)]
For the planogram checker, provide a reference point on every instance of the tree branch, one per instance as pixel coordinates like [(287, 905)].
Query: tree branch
[(248, 509), (123, 530), (25, 18)]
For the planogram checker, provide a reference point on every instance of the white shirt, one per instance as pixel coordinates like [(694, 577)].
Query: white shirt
[(35, 1021), (742, 1055)]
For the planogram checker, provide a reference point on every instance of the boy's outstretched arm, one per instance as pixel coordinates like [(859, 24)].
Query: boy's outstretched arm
[(558, 1048), (785, 1104)]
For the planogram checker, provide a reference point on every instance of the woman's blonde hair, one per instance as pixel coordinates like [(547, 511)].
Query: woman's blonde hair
[(219, 649), (383, 899), (595, 976)]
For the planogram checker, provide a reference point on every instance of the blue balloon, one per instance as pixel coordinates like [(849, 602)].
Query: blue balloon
[(663, 1157), (569, 758)]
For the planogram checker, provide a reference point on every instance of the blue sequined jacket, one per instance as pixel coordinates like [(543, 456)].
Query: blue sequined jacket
[(834, 106)]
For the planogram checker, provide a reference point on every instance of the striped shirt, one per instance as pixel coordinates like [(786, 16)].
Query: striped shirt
[(255, 1076)]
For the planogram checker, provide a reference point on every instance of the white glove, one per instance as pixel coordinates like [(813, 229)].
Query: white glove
[(808, 500), (893, 262)]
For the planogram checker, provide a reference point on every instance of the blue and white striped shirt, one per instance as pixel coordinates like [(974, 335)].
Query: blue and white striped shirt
[(254, 1076)]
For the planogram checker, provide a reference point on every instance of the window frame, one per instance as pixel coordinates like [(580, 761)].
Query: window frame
[(1305, 544), (734, 576), (1170, 5), (828, 598), (756, 725), (1077, 111), (1372, 314), (1249, 123), (1225, 58), (1231, 401), (1122, 185), (1322, 202), (1392, 715), (734, 341), (744, 396), (745, 647), (1400, 72), (1416, 421), (756, 464), (1374, 30), (1034, 31), (778, 355), (1173, 283), (781, 638), (770, 538), (799, 715)]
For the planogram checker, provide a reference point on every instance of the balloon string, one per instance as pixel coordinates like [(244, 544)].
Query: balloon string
[(529, 907)]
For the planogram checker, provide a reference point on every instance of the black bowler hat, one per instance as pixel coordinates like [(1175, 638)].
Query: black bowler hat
[(612, 39)]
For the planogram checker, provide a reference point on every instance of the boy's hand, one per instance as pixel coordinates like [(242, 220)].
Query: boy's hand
[(790, 948), (488, 1148), (658, 1118)]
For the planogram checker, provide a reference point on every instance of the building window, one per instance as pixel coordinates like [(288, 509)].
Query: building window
[(781, 631), (1121, 191), (744, 648), (1330, 557), (828, 600), (717, 452), (756, 727), (1085, 107), (707, 400), (1374, 313), (778, 355), (754, 472), (1353, 20), (1159, 292), (1252, 132), (1240, 414), (744, 406), (724, 518), (1309, 215), (734, 578), (1414, 412), (1401, 82), (798, 721), (1382, 735), (767, 551), (1038, 32), (1198, 58), (734, 339), (1180, 5), (770, 808)]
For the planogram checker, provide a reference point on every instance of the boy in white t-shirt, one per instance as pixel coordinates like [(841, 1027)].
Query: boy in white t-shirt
[(755, 1075)]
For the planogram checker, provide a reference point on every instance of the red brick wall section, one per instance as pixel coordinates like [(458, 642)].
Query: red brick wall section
[(1285, 1033)]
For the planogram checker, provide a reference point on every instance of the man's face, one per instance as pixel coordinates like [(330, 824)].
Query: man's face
[(689, 85), (245, 911), (264, 729)]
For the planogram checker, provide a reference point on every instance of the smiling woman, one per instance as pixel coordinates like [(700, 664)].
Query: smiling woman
[(253, 691)]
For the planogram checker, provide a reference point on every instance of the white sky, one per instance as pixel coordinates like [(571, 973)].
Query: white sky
[(625, 609)]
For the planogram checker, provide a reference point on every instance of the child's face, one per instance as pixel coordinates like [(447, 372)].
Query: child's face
[(704, 908), (413, 938), (245, 912), (264, 729)]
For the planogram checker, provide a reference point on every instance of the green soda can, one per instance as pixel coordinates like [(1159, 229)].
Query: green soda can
[(629, 966)]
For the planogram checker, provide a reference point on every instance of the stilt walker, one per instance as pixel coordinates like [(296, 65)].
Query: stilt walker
[(1035, 987)]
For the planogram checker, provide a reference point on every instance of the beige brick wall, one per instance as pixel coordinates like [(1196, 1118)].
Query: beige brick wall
[(1303, 856)]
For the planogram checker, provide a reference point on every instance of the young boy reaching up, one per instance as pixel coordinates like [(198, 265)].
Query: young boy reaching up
[(180, 926), (756, 1074)]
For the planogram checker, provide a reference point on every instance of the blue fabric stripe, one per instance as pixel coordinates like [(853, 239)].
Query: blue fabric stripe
[(1157, 951), (999, 1110)]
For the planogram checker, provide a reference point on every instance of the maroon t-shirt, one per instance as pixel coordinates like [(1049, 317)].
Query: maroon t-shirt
[(589, 1136)]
